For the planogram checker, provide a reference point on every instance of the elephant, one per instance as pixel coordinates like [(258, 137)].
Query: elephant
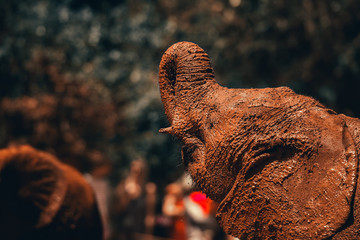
[(43, 198), (281, 165)]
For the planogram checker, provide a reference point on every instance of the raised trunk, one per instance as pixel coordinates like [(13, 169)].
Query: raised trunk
[(185, 76)]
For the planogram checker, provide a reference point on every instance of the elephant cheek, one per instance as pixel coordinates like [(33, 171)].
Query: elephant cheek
[(303, 197), (250, 211)]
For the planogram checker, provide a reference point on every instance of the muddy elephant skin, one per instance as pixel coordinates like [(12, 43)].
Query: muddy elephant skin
[(281, 165), (42, 198)]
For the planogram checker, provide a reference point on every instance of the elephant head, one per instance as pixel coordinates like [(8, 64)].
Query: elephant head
[(42, 198), (281, 165)]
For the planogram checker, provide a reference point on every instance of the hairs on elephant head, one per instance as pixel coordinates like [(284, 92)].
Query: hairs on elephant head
[(281, 165), (42, 198)]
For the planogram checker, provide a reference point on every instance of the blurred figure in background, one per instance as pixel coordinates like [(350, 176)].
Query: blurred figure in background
[(199, 213), (98, 179), (150, 189), (200, 217), (173, 207), (134, 204), (191, 213)]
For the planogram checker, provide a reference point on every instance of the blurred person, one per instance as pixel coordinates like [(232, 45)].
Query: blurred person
[(98, 179), (134, 204), (173, 207), (200, 217)]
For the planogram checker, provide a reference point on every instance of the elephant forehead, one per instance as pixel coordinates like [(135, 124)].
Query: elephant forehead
[(233, 142), (236, 103)]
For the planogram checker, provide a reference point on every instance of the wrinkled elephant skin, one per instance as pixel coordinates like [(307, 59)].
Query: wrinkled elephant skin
[(281, 165), (42, 198)]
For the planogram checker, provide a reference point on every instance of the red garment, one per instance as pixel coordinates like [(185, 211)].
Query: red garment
[(179, 231), (201, 199)]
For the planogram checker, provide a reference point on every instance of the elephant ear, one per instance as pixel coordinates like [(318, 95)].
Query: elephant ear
[(32, 187), (296, 195)]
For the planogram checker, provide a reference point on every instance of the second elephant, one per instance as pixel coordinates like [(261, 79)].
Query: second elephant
[(42, 198)]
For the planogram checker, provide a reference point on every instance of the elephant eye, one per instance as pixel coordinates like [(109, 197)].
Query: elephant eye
[(187, 155), (193, 146), (260, 160), (171, 72)]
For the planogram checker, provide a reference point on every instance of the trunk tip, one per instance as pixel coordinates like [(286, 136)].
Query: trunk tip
[(168, 130)]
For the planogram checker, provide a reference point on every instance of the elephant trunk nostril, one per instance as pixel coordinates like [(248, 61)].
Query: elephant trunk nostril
[(168, 130), (171, 73)]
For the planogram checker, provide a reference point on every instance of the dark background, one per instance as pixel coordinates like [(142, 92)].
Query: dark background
[(79, 78)]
